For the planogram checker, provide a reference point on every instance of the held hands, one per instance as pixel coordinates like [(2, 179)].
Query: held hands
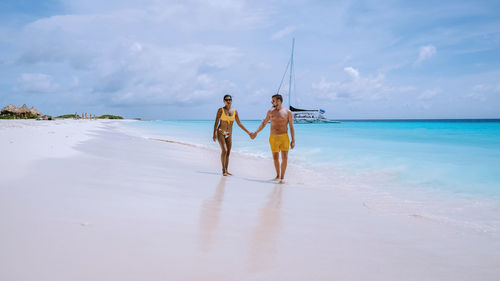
[(252, 135), (292, 144), (214, 138)]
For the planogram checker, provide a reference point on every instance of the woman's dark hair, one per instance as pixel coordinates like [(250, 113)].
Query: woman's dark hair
[(226, 97)]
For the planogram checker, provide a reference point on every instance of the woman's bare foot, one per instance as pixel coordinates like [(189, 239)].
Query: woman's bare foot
[(228, 173), (225, 174)]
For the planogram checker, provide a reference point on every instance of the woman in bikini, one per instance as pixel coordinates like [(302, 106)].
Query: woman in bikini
[(223, 130)]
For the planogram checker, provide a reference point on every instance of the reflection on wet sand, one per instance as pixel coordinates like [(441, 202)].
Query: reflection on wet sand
[(263, 246), (209, 218)]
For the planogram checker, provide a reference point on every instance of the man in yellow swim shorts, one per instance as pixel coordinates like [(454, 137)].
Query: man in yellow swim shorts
[(280, 118)]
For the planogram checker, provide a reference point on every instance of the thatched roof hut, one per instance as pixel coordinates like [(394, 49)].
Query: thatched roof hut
[(20, 111)]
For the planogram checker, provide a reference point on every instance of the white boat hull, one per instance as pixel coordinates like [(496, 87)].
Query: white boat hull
[(312, 121), (310, 116)]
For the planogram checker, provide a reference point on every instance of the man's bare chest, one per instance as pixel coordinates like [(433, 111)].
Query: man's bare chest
[(278, 116)]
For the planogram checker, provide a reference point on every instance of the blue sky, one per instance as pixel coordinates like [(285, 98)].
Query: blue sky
[(176, 59)]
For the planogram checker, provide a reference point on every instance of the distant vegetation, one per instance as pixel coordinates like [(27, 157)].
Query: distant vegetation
[(108, 116), (69, 116), (105, 116)]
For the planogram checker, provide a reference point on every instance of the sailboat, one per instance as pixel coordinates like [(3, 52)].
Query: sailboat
[(303, 116)]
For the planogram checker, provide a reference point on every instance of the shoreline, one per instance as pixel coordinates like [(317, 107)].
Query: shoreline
[(379, 192), (122, 207)]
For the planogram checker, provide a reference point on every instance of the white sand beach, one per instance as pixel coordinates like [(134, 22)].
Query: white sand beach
[(91, 200)]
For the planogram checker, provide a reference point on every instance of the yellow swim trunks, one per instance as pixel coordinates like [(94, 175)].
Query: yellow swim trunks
[(279, 142)]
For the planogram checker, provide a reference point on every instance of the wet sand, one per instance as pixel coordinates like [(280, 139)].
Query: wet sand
[(89, 200)]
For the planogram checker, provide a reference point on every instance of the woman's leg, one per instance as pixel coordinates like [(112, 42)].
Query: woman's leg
[(229, 144), (223, 154)]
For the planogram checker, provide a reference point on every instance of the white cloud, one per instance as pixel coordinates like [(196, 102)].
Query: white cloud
[(259, 95), (120, 53), (283, 32), (354, 73), (76, 81), (188, 15), (167, 75), (260, 66), (35, 83), (481, 92), (428, 94), (357, 87), (425, 53), (486, 88), (136, 47)]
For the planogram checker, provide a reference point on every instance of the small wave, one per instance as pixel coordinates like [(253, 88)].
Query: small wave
[(177, 142), (478, 227), (432, 212), (183, 143)]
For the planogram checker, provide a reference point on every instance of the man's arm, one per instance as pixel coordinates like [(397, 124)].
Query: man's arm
[(217, 118), (237, 118), (264, 123), (292, 130)]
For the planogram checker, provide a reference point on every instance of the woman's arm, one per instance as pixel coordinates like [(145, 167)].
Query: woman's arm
[(237, 118), (217, 118)]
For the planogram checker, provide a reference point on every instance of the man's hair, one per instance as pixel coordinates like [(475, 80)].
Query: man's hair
[(278, 97), (226, 97)]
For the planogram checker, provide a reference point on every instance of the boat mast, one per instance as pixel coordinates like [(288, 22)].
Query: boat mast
[(291, 72)]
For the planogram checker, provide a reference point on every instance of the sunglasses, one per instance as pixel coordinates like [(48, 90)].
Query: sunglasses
[(228, 99)]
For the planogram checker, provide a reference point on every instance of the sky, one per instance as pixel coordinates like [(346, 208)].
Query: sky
[(156, 59)]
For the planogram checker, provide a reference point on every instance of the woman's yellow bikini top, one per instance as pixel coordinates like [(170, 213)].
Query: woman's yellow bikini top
[(225, 117)]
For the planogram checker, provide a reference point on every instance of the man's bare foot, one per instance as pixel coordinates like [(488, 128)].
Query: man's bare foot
[(225, 174), (228, 173), (282, 181)]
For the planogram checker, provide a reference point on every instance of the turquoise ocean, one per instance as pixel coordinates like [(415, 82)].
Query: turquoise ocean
[(454, 156), (444, 171)]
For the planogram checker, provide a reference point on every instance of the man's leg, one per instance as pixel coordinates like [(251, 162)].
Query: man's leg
[(276, 158), (284, 160)]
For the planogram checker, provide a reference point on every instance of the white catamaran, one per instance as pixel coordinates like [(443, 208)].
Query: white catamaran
[(302, 115)]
